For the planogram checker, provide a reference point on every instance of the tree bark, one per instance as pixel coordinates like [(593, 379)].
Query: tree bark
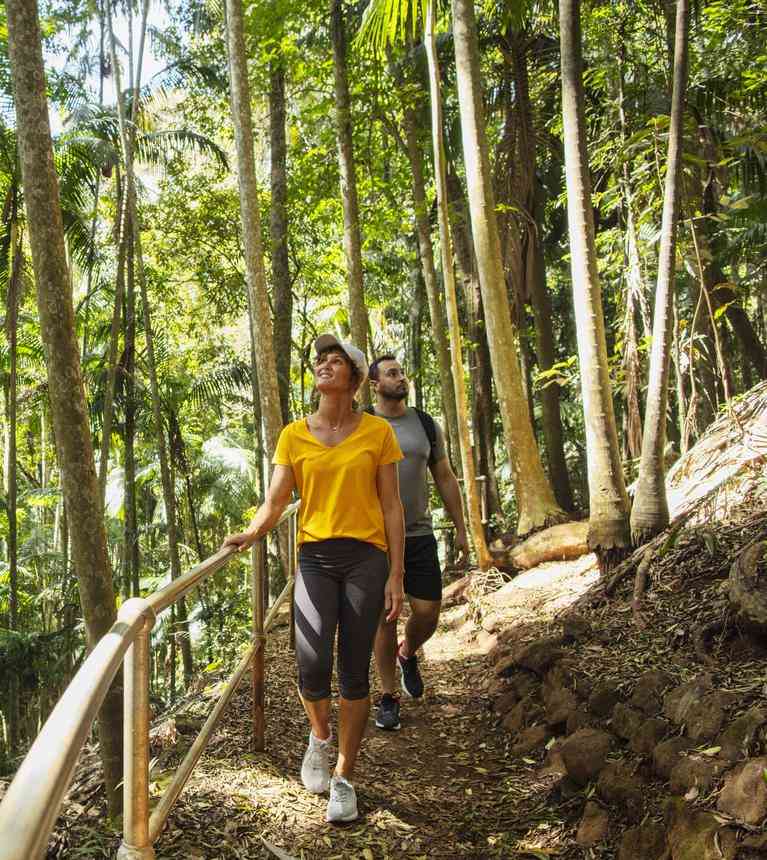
[(263, 340), (168, 490), (650, 513), (609, 506), (536, 504), (278, 228), (132, 551), (467, 458), (358, 315), (483, 409), (67, 394), (426, 255)]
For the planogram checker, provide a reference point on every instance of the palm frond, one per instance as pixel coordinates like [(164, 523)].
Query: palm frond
[(387, 22)]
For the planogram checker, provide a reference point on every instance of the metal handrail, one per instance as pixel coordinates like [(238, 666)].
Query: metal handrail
[(32, 802)]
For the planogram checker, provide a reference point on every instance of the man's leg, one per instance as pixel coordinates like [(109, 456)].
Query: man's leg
[(420, 627), (386, 654)]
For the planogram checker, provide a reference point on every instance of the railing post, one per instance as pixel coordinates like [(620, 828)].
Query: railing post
[(258, 569), (136, 844)]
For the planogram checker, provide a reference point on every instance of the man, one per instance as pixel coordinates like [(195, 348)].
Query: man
[(423, 445)]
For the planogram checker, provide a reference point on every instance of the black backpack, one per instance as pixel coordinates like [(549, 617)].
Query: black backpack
[(429, 428)]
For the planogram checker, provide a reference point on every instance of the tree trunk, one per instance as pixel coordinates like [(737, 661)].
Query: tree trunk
[(530, 195), (536, 504), (415, 325), (483, 409), (112, 359), (168, 490), (650, 514), (358, 315), (132, 557), (278, 227), (67, 394), (608, 501), (263, 340), (464, 440), (11, 329), (426, 255)]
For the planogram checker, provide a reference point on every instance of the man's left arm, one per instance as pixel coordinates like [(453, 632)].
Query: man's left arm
[(449, 490)]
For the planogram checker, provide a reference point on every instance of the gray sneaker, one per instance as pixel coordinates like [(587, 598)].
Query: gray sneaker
[(387, 715), (342, 805), (315, 768)]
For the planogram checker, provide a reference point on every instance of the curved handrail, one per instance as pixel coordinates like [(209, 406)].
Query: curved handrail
[(31, 804)]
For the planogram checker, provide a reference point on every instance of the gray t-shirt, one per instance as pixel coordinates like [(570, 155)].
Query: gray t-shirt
[(413, 486)]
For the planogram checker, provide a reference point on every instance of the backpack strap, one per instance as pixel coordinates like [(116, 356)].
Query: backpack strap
[(430, 429), (370, 410)]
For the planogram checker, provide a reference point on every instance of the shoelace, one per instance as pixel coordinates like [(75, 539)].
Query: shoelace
[(317, 757), (343, 790)]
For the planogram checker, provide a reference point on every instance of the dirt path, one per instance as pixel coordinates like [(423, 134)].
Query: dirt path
[(443, 787)]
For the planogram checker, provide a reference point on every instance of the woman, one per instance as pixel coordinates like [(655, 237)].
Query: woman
[(344, 465)]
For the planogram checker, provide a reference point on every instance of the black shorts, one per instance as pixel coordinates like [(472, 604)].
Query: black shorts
[(423, 576)]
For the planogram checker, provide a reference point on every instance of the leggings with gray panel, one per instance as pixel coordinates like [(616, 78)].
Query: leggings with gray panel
[(339, 585)]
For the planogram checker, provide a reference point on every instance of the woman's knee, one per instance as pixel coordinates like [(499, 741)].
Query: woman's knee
[(352, 685)]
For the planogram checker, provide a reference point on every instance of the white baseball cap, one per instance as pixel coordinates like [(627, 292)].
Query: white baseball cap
[(355, 355)]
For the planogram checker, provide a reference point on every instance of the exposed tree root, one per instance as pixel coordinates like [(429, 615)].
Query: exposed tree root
[(611, 558), (640, 584), (704, 634)]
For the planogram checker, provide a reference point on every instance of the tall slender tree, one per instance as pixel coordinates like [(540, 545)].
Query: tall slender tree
[(608, 501), (69, 408), (358, 315), (536, 503), (258, 303), (650, 514)]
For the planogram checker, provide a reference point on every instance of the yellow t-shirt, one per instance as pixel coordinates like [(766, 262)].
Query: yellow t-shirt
[(339, 497)]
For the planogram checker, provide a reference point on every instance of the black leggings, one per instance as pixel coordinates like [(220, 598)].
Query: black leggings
[(339, 584)]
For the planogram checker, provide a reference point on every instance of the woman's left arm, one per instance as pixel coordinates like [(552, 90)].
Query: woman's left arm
[(387, 482)]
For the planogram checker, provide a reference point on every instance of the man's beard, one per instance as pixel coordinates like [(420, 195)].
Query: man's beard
[(397, 394)]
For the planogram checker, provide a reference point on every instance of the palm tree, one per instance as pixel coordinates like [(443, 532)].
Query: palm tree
[(536, 504), (67, 395), (650, 511), (358, 315), (608, 501)]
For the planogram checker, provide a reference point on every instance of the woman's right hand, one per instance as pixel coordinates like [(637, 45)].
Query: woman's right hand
[(242, 540)]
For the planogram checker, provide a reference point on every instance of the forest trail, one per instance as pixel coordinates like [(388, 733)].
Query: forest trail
[(443, 786)]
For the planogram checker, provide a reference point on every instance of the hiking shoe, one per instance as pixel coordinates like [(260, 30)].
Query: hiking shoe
[(315, 769), (412, 682), (342, 805), (387, 715)]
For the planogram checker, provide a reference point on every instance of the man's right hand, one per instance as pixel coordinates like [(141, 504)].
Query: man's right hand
[(241, 540)]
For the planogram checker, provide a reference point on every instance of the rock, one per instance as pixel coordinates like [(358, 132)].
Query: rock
[(554, 763), (649, 734), (646, 842), (593, 826), (666, 755), (696, 771), (559, 703), (585, 753), (517, 717), (504, 665), (603, 699), (697, 835), (677, 703), (619, 787), (625, 721), (744, 795), (578, 719), (505, 702), (706, 718), (647, 695), (576, 628), (738, 738), (557, 543), (540, 655), (486, 642), (524, 684), (529, 740)]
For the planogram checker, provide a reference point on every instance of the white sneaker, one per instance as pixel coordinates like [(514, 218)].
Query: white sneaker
[(342, 805), (315, 769)]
